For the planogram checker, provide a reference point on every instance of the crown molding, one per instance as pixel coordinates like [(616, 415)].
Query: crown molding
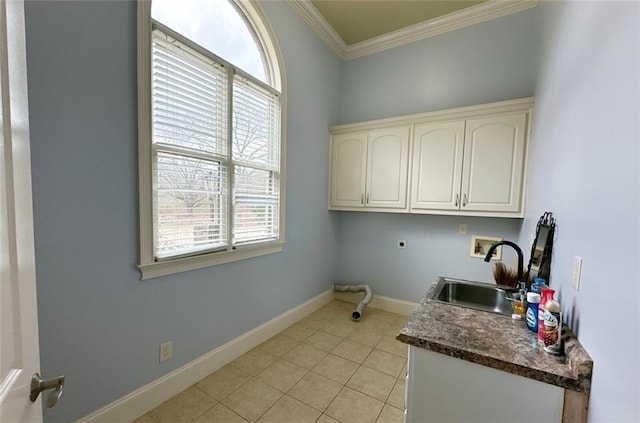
[(320, 26), (457, 113), (483, 12)]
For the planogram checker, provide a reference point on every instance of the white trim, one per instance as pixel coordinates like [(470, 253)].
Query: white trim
[(483, 12), (379, 302), (146, 261), (308, 12), (170, 267), (145, 192), (505, 215), (140, 401), (521, 104)]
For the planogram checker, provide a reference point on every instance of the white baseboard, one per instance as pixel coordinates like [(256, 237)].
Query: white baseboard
[(379, 302), (148, 397), (142, 400)]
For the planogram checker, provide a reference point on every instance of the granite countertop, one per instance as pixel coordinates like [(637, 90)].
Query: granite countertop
[(496, 341)]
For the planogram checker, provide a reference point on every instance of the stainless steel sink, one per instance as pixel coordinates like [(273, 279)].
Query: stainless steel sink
[(476, 295)]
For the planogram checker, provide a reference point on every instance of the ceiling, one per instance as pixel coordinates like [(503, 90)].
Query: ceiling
[(356, 28), (360, 20)]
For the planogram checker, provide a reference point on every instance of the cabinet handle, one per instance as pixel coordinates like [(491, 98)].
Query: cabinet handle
[(464, 200), (362, 199), (457, 199), (367, 198)]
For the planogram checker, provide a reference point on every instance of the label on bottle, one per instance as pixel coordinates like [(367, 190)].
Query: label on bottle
[(552, 332), (532, 317), (541, 312)]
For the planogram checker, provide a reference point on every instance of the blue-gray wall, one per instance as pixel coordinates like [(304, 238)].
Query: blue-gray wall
[(100, 325), (369, 253), (488, 62), (584, 167)]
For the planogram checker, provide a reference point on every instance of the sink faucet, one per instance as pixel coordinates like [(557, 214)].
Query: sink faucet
[(520, 258)]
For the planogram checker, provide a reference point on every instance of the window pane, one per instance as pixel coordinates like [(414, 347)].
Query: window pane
[(190, 203), (255, 205), (189, 97), (256, 116), (217, 26)]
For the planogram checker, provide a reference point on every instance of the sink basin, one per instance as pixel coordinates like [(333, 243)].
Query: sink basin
[(476, 295)]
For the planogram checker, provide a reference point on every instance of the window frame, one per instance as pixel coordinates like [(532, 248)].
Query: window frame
[(147, 263)]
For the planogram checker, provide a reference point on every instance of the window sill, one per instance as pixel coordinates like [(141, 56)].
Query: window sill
[(171, 267)]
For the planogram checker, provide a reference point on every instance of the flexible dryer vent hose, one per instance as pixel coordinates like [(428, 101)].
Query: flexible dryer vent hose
[(357, 312)]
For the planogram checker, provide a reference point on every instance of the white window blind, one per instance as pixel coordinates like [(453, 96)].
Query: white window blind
[(189, 97), (191, 205), (256, 113), (195, 163), (190, 132)]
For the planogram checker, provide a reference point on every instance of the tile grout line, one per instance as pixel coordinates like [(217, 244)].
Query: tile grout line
[(207, 410), (271, 406)]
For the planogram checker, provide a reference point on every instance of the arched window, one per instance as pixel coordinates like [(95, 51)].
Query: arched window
[(210, 129)]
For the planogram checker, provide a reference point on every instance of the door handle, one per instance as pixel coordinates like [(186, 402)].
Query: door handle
[(39, 385)]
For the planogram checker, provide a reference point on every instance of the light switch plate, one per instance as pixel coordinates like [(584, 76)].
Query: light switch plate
[(462, 229), (575, 274)]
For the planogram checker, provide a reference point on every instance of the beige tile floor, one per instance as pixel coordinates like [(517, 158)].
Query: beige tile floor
[(326, 368)]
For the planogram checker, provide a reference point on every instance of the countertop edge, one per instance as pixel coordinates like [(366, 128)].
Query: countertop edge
[(579, 365), (579, 384)]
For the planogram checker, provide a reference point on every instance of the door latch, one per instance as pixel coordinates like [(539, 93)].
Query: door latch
[(38, 385)]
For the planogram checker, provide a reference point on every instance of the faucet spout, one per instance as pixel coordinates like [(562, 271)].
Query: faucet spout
[(515, 247)]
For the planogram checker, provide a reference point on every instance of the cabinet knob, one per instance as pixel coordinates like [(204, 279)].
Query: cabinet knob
[(457, 199), (464, 200)]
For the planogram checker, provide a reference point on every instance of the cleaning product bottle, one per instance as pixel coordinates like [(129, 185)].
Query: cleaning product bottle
[(552, 327), (533, 299), (547, 293)]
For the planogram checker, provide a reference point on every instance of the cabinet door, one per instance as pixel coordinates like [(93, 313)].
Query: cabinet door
[(493, 167), (348, 170), (387, 160), (437, 165), (447, 389)]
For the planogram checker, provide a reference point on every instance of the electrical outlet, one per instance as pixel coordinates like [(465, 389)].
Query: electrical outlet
[(402, 244), (575, 275), (462, 229), (166, 351)]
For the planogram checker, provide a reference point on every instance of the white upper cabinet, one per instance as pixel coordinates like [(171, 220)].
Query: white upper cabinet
[(466, 161), (387, 168), (369, 169), (493, 167), (473, 165), (348, 170), (437, 165)]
